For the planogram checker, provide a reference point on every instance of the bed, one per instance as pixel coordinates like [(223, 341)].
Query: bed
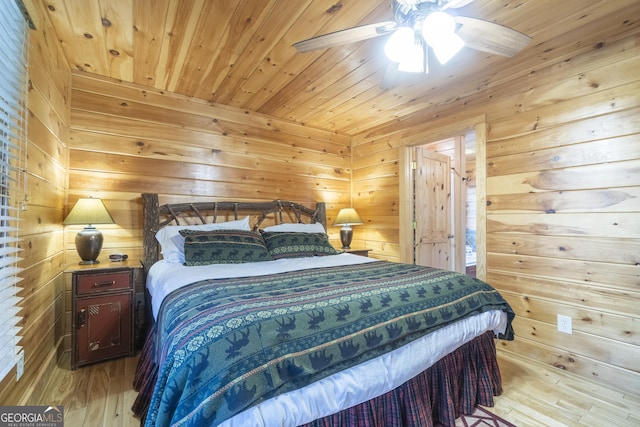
[(258, 321)]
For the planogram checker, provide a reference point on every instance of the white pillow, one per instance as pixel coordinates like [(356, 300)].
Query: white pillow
[(172, 243), (316, 227)]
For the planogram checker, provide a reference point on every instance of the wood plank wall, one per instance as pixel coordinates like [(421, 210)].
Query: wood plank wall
[(41, 223), (563, 205), (127, 140)]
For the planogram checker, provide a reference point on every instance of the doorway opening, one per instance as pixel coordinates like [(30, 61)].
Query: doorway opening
[(459, 230), (468, 173)]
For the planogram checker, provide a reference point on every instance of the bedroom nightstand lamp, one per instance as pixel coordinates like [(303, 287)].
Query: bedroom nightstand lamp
[(346, 218), (89, 240)]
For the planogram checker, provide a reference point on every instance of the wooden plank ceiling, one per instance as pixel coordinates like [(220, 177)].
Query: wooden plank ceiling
[(240, 53)]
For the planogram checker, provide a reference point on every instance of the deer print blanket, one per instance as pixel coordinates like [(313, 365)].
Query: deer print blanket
[(226, 344)]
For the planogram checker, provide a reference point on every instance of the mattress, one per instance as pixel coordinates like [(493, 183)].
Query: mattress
[(342, 389)]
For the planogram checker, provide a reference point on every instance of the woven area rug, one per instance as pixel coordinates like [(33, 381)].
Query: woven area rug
[(482, 418)]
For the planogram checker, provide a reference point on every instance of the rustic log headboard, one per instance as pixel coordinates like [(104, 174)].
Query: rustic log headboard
[(276, 212)]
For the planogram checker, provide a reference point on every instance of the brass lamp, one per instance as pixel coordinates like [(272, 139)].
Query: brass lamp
[(89, 240), (346, 218)]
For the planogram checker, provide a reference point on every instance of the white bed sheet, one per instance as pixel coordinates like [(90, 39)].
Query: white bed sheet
[(165, 277), (342, 389)]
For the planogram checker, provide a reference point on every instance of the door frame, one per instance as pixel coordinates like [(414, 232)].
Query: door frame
[(479, 124)]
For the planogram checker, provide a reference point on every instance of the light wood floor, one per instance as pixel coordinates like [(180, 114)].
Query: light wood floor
[(534, 395)]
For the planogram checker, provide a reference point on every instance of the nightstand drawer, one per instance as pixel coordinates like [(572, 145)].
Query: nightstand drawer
[(103, 282)]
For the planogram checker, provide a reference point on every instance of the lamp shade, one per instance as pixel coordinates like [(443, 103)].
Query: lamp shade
[(89, 211), (89, 240), (346, 218)]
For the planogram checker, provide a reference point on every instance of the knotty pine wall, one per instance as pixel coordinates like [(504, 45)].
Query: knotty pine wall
[(41, 224), (563, 199), (127, 140)]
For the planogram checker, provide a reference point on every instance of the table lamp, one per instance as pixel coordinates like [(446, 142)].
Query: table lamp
[(346, 218), (89, 240)]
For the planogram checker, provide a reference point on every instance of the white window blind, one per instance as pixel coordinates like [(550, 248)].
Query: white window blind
[(13, 114)]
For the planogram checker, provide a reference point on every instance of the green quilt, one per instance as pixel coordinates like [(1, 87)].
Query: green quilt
[(227, 344)]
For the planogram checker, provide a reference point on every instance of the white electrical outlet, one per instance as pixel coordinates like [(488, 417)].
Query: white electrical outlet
[(20, 366), (564, 324)]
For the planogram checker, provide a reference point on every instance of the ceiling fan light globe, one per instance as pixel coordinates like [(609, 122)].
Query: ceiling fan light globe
[(436, 26), (447, 47), (399, 46), (413, 61)]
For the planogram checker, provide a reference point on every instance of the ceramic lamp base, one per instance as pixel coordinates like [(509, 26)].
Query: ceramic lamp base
[(346, 234), (88, 244)]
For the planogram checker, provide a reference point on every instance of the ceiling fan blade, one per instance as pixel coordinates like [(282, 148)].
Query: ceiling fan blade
[(454, 4), (390, 77), (490, 37), (349, 35), (416, 4)]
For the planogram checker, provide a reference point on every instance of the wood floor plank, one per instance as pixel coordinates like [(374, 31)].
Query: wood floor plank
[(615, 418), (74, 418), (635, 418), (534, 395), (572, 404), (115, 411), (98, 391), (539, 410), (568, 400)]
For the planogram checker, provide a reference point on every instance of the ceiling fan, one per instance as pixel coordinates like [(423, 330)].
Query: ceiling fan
[(420, 25)]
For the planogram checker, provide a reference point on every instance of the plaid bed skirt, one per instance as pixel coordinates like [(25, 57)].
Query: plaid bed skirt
[(453, 386)]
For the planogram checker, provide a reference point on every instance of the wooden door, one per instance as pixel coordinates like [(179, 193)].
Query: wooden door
[(432, 208)]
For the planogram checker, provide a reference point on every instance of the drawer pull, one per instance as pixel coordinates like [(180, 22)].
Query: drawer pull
[(103, 284)]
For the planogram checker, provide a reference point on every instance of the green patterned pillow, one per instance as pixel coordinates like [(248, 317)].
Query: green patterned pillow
[(223, 247), (297, 244)]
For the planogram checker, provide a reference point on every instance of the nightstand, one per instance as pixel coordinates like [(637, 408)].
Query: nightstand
[(102, 316), (361, 252)]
